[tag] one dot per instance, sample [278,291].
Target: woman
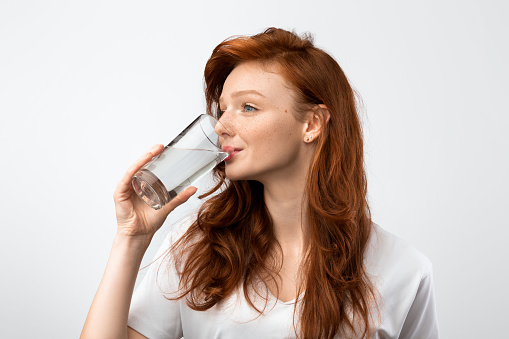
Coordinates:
[285,247]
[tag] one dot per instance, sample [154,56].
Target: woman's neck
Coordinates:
[285,202]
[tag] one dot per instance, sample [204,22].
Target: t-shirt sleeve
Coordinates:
[421,321]
[152,313]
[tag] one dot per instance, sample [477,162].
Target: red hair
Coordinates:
[232,241]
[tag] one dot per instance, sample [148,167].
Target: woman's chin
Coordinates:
[237,175]
[233,176]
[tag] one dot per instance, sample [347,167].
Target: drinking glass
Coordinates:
[187,158]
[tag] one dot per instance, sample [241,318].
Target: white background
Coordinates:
[87,87]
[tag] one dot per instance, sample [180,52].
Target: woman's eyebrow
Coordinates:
[249,91]
[241,93]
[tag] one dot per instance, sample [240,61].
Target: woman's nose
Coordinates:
[223,126]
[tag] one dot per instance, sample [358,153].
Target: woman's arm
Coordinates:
[108,314]
[132,334]
[137,223]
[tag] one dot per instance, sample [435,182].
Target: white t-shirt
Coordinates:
[402,276]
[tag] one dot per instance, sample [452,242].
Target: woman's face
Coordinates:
[258,124]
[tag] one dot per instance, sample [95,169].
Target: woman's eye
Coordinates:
[248,108]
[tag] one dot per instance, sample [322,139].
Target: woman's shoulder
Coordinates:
[388,255]
[403,279]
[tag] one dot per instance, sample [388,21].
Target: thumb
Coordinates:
[179,199]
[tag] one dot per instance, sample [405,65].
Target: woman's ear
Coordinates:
[317,119]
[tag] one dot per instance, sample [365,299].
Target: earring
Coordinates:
[307,138]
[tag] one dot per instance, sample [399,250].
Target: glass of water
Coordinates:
[187,158]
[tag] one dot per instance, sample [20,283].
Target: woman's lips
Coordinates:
[232,150]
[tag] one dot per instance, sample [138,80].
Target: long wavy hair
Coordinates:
[232,243]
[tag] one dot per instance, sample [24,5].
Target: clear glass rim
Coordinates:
[202,117]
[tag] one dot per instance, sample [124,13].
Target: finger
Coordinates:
[125,183]
[180,199]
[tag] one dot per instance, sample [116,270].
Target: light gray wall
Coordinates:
[87,87]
